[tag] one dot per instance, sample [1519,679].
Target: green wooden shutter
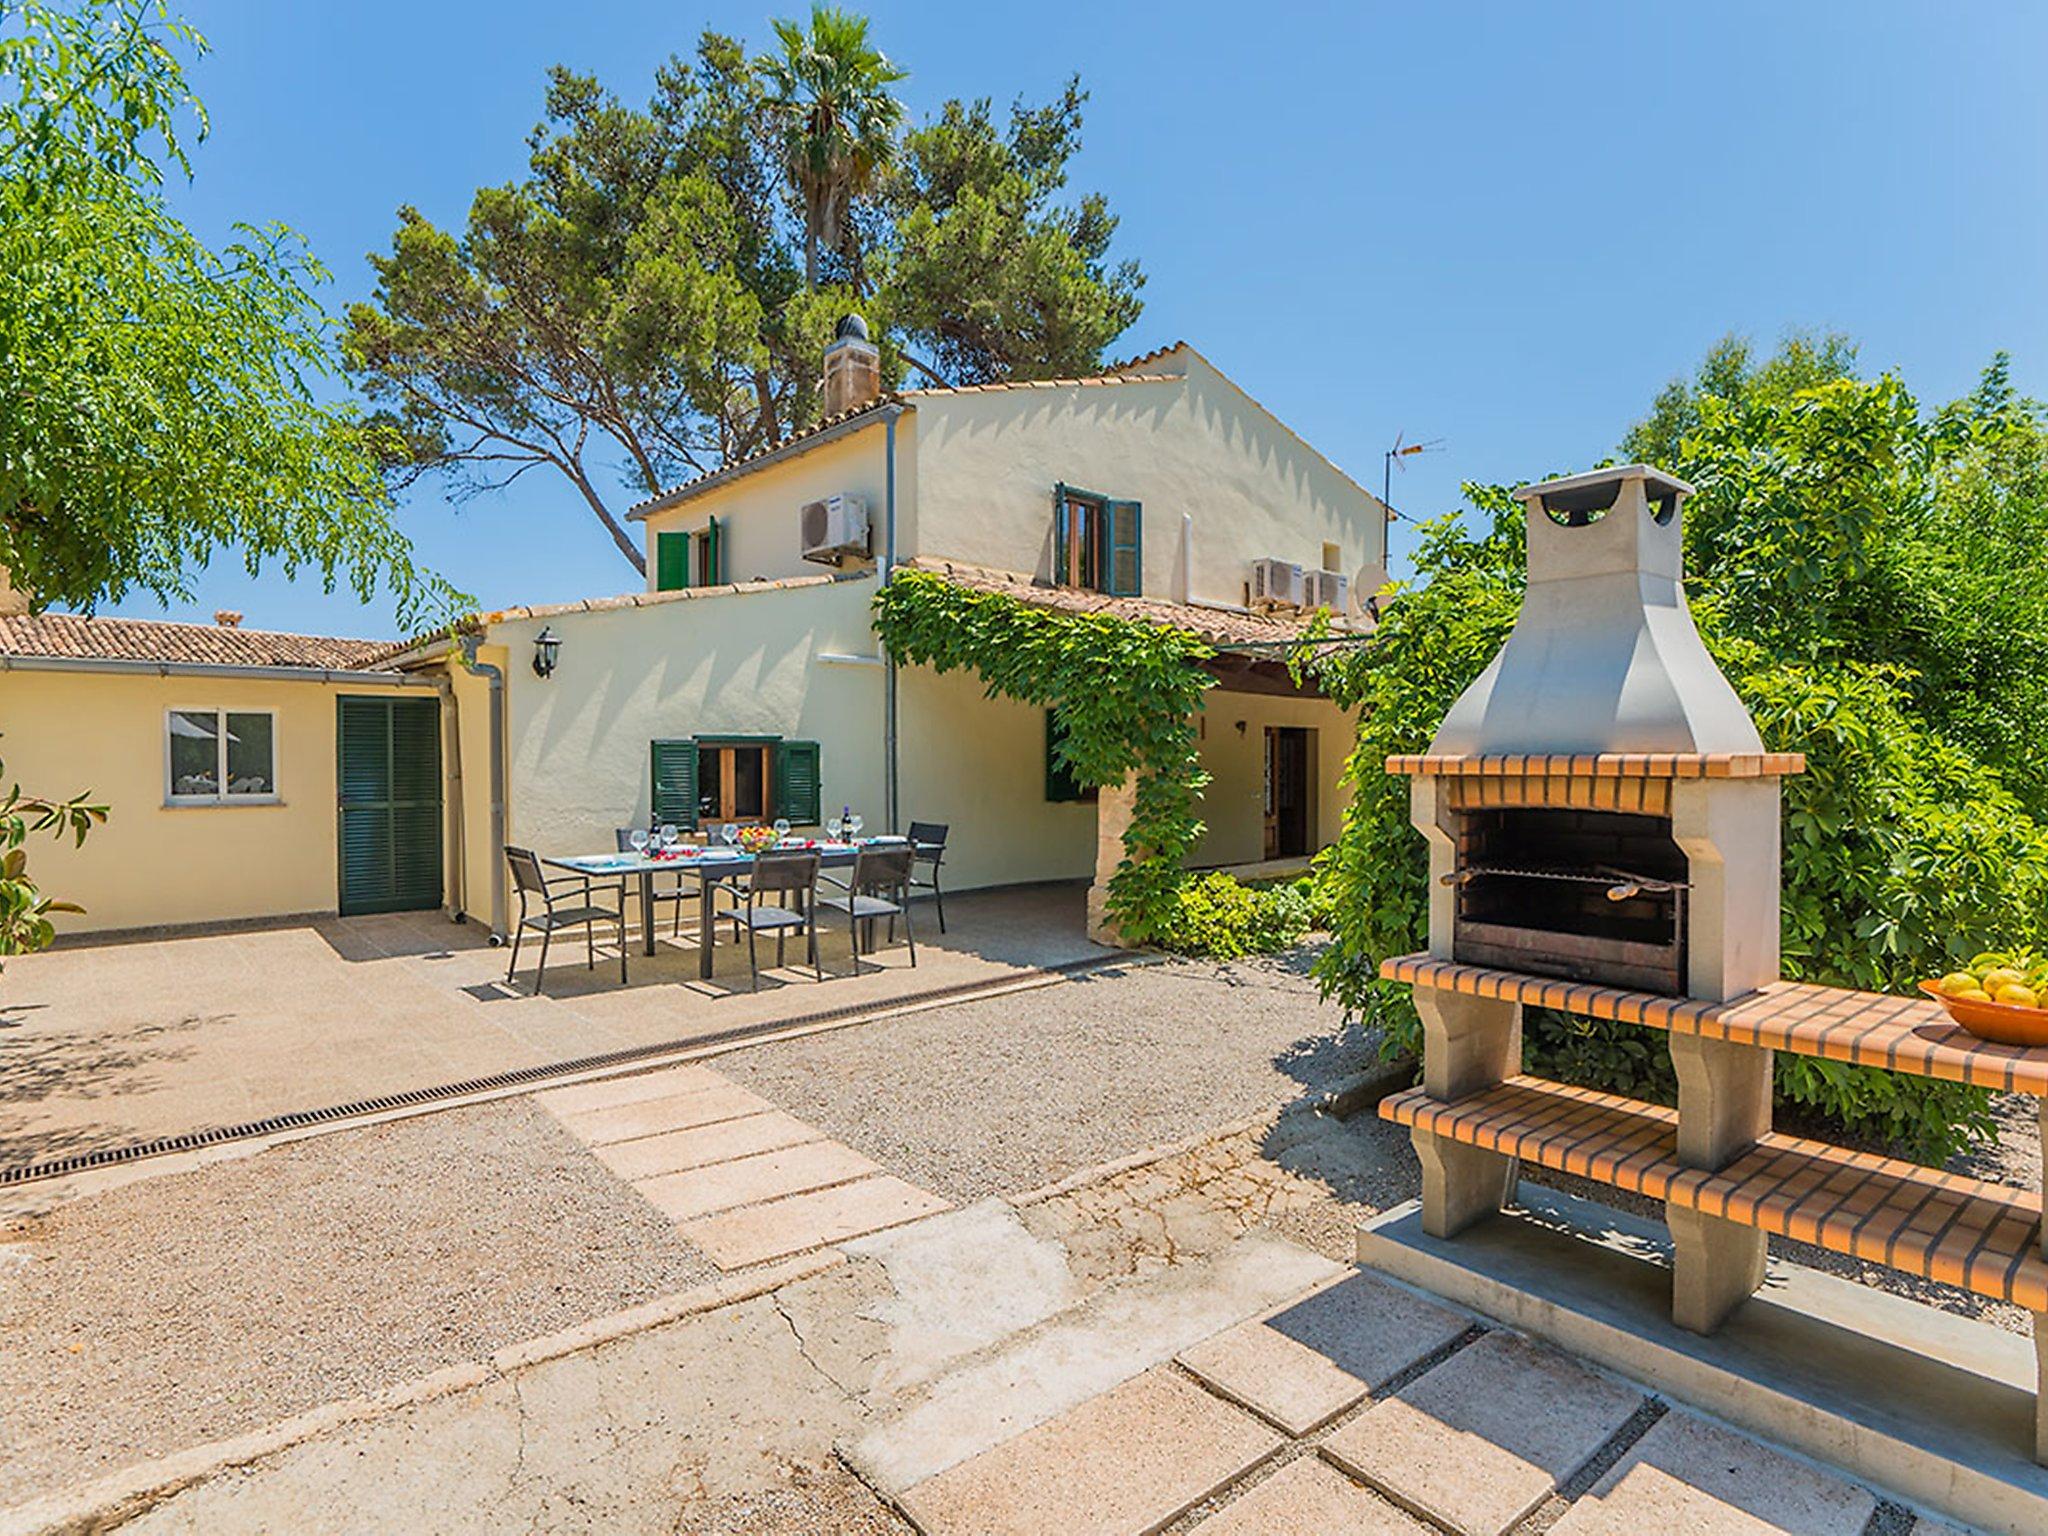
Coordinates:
[797,782]
[675,782]
[388,766]
[671,562]
[1060,535]
[1124,570]
[714,553]
[1060,783]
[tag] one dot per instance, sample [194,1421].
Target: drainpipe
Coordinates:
[458,841]
[889,791]
[496,679]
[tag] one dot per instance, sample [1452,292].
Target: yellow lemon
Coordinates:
[1999,977]
[1957,982]
[1974,995]
[2017,996]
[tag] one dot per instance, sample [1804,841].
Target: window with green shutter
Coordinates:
[1097,543]
[1060,783]
[711,554]
[675,782]
[1125,566]
[671,562]
[798,782]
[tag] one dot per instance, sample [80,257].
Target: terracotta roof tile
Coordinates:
[1216,625]
[83,637]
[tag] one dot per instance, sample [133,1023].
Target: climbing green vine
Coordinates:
[1125,693]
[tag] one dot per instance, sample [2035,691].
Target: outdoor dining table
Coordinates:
[710,867]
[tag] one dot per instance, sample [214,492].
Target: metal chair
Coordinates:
[781,873]
[675,895]
[877,870]
[533,884]
[928,839]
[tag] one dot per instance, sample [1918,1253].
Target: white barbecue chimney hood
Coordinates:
[1604,656]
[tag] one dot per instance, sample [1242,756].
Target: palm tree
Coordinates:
[829,87]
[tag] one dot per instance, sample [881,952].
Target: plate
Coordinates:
[2001,1022]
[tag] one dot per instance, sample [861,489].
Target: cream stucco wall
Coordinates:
[1234,803]
[758,511]
[987,463]
[155,864]
[726,662]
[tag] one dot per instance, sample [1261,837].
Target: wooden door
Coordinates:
[388,768]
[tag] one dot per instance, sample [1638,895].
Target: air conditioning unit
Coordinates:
[832,528]
[1276,583]
[1331,590]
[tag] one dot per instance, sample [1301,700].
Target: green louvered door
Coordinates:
[388,764]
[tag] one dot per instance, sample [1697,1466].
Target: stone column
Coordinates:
[1114,807]
[1729,831]
[1469,1044]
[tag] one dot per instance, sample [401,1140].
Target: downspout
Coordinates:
[458,842]
[889,787]
[496,679]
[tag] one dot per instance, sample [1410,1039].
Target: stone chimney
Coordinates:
[853,368]
[227,618]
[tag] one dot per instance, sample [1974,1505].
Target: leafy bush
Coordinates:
[1217,915]
[1825,574]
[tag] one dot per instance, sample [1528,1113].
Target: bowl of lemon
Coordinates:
[2000,995]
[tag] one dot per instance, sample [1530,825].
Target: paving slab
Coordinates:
[676,1112]
[751,1180]
[1121,1331]
[1304,1363]
[610,1092]
[1310,1498]
[734,1239]
[1477,1442]
[700,1146]
[1692,1478]
[1131,1460]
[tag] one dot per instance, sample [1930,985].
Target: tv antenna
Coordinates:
[1402,449]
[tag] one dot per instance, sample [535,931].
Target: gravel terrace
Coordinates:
[1005,1095]
[195,1306]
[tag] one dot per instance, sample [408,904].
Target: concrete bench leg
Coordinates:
[1724,1105]
[1469,1044]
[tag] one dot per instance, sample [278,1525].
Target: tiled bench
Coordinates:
[1717,1176]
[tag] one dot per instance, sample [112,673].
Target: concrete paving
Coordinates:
[1688,1475]
[1133,1459]
[1478,1442]
[1304,1363]
[116,1041]
[755,1234]
[1308,1497]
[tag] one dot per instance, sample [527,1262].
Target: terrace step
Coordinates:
[1871,1029]
[1940,1226]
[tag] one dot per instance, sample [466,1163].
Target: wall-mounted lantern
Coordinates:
[546,648]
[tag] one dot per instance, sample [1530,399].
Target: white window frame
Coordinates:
[220,712]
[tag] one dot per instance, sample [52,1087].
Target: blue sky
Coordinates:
[1502,225]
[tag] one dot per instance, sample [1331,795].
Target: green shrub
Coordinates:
[1217,915]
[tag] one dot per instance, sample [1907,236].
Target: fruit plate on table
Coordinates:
[2005,1023]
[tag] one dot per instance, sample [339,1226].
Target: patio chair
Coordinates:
[928,838]
[791,877]
[880,887]
[675,895]
[533,885]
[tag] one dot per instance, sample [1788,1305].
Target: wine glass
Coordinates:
[670,836]
[638,838]
[853,826]
[781,828]
[832,827]
[729,834]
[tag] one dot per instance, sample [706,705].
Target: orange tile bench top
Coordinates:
[1871,1029]
[1610,765]
[1940,1226]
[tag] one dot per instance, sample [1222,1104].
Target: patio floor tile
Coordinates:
[1304,1363]
[1479,1441]
[735,1239]
[1310,1498]
[750,1180]
[611,1092]
[650,1117]
[1688,1475]
[676,1151]
[1130,1460]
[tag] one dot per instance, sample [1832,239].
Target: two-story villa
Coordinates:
[746,682]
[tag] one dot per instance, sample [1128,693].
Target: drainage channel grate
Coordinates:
[129,1152]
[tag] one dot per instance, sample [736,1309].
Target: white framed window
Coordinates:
[220,756]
